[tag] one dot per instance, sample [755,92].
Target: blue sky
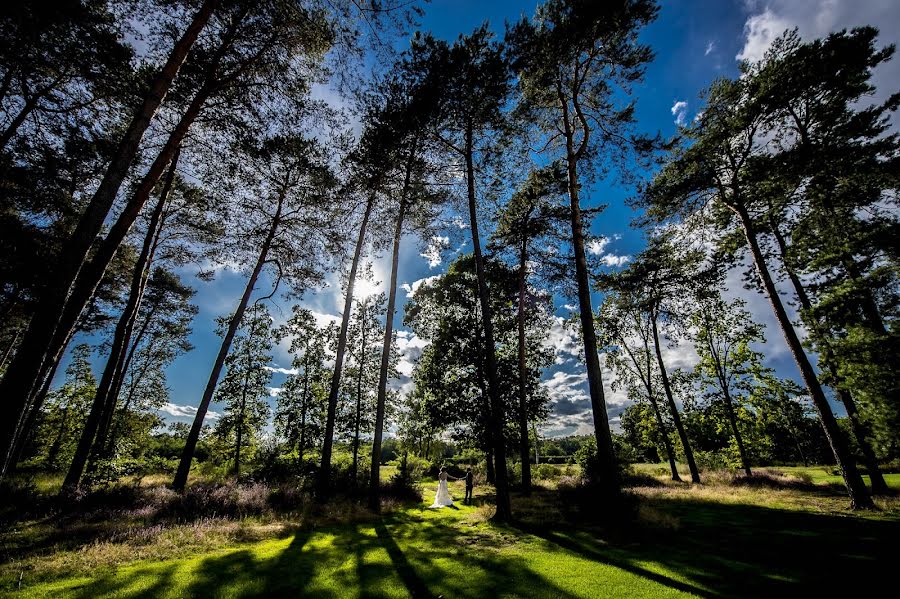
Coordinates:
[695,41]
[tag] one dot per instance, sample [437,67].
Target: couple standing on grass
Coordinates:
[442,498]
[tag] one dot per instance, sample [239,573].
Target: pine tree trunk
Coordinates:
[10,348]
[648,385]
[495,421]
[21,378]
[187,455]
[879,486]
[856,488]
[673,408]
[362,367]
[524,450]
[324,483]
[606,455]
[303,401]
[96,427]
[34,410]
[732,419]
[375,470]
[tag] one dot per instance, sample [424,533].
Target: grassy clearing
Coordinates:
[727,538]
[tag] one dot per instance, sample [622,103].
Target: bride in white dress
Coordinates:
[442,497]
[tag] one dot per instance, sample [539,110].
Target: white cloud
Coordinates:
[759,33]
[432,253]
[563,339]
[817,18]
[570,307]
[596,247]
[179,411]
[411,289]
[679,111]
[410,347]
[709,48]
[323,320]
[613,260]
[288,371]
[274,391]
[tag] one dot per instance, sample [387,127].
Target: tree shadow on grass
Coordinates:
[738,550]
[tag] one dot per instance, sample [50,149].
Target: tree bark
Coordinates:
[732,419]
[856,488]
[362,366]
[648,385]
[302,443]
[495,421]
[879,486]
[524,450]
[375,470]
[673,409]
[324,483]
[21,378]
[187,455]
[606,455]
[96,427]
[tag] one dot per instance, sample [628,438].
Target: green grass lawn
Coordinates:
[707,542]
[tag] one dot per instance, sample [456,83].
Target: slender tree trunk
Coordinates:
[609,473]
[856,488]
[239,433]
[504,512]
[96,427]
[667,442]
[10,348]
[362,367]
[21,378]
[524,450]
[303,402]
[648,385]
[33,410]
[187,456]
[673,409]
[879,486]
[324,482]
[537,455]
[57,442]
[375,470]
[732,419]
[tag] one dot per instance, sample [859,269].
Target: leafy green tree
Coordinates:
[244,388]
[280,229]
[712,174]
[302,403]
[576,61]
[363,370]
[450,379]
[409,109]
[23,377]
[63,415]
[723,333]
[475,85]
[655,282]
[627,338]
[529,228]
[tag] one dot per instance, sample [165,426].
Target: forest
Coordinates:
[186,186]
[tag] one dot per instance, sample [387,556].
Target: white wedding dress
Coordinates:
[442,497]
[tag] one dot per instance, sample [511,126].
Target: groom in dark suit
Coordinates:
[469,485]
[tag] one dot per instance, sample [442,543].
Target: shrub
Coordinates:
[547,471]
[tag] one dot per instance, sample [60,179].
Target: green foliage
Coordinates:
[450,376]
[243,389]
[65,411]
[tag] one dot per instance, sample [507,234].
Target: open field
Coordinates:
[727,538]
